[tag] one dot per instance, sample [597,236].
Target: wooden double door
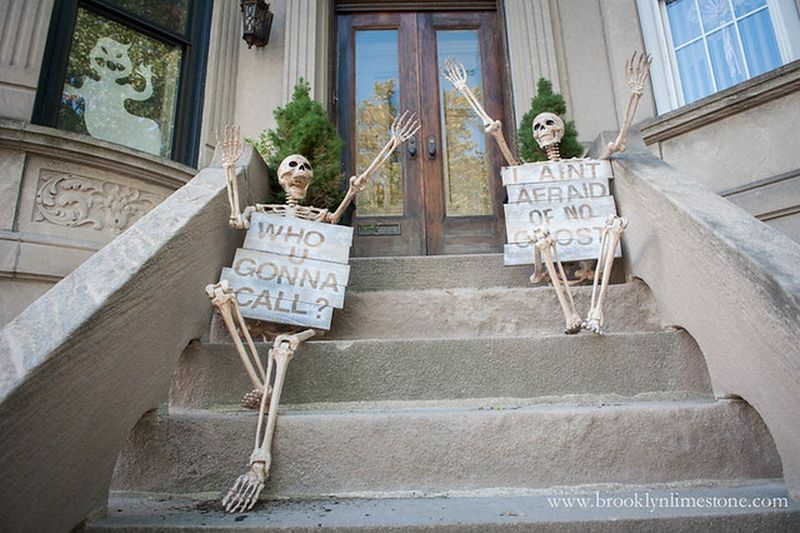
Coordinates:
[441,192]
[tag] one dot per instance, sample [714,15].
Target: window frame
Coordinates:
[191,81]
[667,88]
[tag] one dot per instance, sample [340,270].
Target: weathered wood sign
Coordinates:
[571,198]
[291,271]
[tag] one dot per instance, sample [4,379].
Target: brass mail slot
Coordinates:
[378,229]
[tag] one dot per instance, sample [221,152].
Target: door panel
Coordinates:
[464,214]
[446,197]
[374,84]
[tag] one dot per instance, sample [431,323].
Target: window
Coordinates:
[704,46]
[128,72]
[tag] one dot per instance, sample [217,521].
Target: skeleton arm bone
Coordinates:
[456,74]
[636,72]
[403,128]
[232,147]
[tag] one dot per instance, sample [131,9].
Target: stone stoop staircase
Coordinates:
[443,402]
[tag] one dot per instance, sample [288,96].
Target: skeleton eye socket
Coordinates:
[292,164]
[537,127]
[550,122]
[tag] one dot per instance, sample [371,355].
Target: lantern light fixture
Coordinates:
[256,22]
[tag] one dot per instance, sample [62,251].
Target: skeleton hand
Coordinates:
[404,127]
[231,144]
[636,71]
[455,73]
[245,491]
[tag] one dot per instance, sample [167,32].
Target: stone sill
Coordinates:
[32,138]
[746,95]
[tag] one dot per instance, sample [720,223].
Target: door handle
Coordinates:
[412,147]
[432,147]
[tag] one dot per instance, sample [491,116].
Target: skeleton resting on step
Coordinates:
[548,130]
[294,175]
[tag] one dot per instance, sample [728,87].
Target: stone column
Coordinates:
[223,62]
[531,48]
[23,34]
[306,47]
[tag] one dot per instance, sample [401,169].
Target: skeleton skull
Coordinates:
[294,175]
[548,128]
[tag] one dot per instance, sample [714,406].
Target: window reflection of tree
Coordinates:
[374,115]
[466,169]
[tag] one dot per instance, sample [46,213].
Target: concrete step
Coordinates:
[433,369]
[428,450]
[477,271]
[452,313]
[759,507]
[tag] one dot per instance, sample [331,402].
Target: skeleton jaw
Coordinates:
[296,186]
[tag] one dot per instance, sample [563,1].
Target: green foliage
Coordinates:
[303,128]
[546,100]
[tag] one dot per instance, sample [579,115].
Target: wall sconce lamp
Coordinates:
[256,22]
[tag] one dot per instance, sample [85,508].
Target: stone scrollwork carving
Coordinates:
[73,201]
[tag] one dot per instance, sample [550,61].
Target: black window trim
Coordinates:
[191,84]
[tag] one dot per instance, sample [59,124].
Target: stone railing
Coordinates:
[729,280]
[81,364]
[63,196]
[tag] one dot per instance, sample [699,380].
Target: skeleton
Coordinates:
[294,175]
[548,131]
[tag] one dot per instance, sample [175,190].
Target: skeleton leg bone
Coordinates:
[612,233]
[245,491]
[224,301]
[546,245]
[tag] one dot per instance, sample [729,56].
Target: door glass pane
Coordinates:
[466,164]
[377,104]
[715,13]
[121,85]
[760,46]
[171,14]
[726,57]
[693,67]
[683,21]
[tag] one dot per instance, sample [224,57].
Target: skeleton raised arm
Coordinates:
[403,128]
[636,71]
[455,73]
[231,149]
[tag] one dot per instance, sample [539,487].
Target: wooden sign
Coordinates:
[308,278]
[557,191]
[570,198]
[291,271]
[299,238]
[264,301]
[568,169]
[522,219]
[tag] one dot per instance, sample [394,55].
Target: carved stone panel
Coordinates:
[71,200]
[82,203]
